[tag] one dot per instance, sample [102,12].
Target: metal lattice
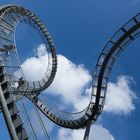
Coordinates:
[10,16]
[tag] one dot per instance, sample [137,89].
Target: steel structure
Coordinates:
[117,43]
[14,86]
[10,16]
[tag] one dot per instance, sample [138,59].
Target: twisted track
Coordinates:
[10,16]
[117,43]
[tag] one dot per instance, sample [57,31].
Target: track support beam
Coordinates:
[7,117]
[86,136]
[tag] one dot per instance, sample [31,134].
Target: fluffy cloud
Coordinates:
[120,97]
[71,84]
[34,68]
[72,81]
[99,133]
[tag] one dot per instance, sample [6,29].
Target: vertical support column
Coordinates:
[86,136]
[7,116]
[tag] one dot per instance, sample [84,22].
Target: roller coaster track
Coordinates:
[12,108]
[10,15]
[117,43]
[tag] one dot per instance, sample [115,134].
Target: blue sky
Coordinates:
[80,29]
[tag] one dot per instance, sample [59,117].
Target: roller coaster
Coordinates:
[10,16]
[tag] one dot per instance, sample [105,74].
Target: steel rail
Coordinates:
[26,16]
[20,14]
[7,116]
[117,43]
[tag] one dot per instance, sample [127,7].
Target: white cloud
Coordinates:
[71,85]
[99,133]
[34,68]
[41,51]
[120,97]
[70,82]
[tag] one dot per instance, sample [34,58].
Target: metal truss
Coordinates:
[10,16]
[117,43]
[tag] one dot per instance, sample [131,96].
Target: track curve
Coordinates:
[117,43]
[10,16]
